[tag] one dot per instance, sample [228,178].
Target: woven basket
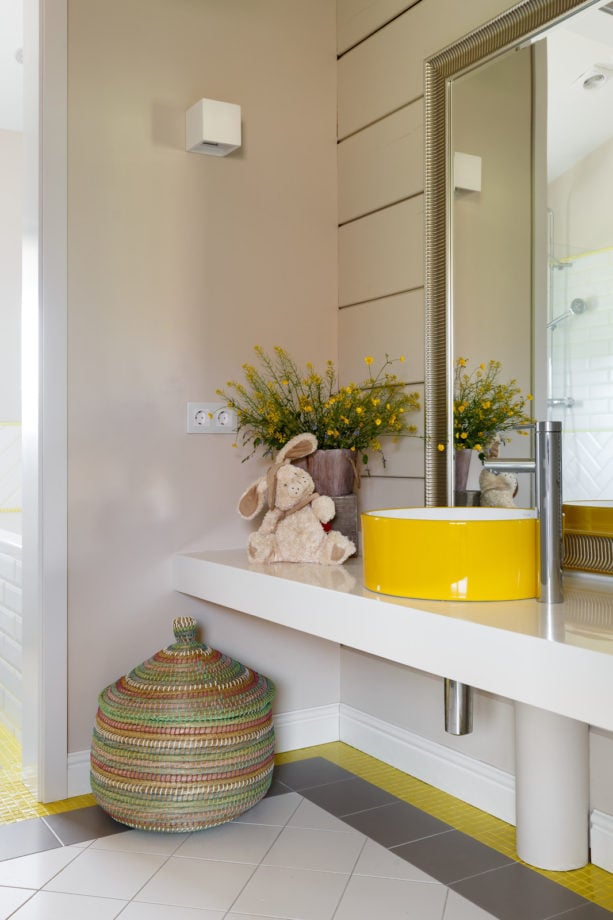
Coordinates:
[185,741]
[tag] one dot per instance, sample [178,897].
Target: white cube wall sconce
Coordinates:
[466,172]
[213,127]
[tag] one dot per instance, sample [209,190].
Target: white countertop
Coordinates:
[557,657]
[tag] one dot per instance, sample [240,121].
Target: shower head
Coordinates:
[577,306]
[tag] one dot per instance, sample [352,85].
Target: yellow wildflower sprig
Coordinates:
[484,408]
[278,400]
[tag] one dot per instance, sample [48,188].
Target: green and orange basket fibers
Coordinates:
[185,741]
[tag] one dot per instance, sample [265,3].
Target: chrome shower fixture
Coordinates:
[577,306]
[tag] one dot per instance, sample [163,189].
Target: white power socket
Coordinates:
[211,418]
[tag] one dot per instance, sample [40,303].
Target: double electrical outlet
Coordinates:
[211,418]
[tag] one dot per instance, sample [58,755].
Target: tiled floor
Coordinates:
[325,844]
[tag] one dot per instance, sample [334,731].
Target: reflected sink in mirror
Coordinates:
[588,536]
[451,554]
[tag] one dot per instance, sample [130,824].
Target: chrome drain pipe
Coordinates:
[458,708]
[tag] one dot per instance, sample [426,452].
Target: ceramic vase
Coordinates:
[334,473]
[462,495]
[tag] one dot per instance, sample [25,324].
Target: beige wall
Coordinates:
[178,265]
[10,274]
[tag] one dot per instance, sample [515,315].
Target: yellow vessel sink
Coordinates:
[451,554]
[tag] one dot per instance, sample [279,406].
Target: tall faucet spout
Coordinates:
[549,503]
[547,467]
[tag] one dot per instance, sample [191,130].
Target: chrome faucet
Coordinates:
[547,467]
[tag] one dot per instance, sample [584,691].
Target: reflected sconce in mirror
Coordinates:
[213,127]
[466,172]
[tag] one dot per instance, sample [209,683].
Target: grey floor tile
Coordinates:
[348,796]
[586,912]
[278,788]
[396,823]
[312,772]
[451,857]
[25,837]
[83,824]
[517,893]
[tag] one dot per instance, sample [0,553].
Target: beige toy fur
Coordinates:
[497,490]
[291,530]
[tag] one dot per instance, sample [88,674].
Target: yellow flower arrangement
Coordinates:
[278,401]
[484,408]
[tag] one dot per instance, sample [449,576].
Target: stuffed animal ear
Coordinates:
[252,501]
[300,446]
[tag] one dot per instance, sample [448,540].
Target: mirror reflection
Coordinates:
[531,240]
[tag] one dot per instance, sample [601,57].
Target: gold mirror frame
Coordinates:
[507,30]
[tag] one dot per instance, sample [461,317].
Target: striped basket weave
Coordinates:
[185,741]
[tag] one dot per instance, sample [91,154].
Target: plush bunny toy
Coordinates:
[292,530]
[497,490]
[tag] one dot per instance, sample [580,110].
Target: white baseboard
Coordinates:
[306,727]
[78,774]
[486,787]
[601,840]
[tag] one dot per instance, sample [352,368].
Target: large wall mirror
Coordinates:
[519,233]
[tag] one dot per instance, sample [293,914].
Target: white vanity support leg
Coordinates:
[551,789]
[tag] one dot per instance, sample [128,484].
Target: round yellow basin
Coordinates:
[451,554]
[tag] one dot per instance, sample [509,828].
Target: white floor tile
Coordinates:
[254,917]
[35,870]
[378,861]
[308,848]
[310,815]
[198,883]
[103,873]
[274,892]
[235,842]
[278,809]
[458,908]
[394,899]
[136,911]
[141,842]
[10,899]
[51,905]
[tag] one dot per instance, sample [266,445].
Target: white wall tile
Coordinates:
[13,598]
[7,567]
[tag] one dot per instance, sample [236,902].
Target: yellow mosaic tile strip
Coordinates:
[591,883]
[16,801]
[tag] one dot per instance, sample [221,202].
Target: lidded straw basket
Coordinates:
[184,741]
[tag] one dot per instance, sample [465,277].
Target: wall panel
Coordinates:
[382,164]
[358,18]
[382,253]
[391,326]
[389,492]
[385,72]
